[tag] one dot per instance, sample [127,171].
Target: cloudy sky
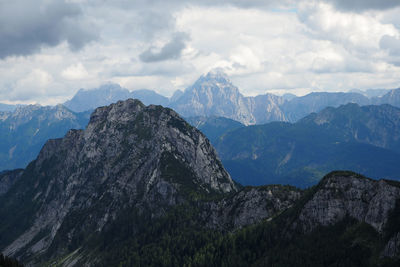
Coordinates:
[51,49]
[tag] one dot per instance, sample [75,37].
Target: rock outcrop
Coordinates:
[250,206]
[340,195]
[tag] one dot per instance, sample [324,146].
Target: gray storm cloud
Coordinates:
[171,50]
[362,5]
[27,26]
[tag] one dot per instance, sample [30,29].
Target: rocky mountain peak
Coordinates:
[214,84]
[216,75]
[130,157]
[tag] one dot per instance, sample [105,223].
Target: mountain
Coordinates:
[288,96]
[131,164]
[214,127]
[24,131]
[266,108]
[85,100]
[370,93]
[375,125]
[106,94]
[299,107]
[149,97]
[215,95]
[6,107]
[392,98]
[363,139]
[177,94]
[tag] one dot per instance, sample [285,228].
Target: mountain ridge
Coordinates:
[25,130]
[364,139]
[213,94]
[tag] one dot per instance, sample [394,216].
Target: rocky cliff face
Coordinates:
[266,108]
[339,195]
[346,220]
[129,156]
[215,95]
[250,206]
[342,195]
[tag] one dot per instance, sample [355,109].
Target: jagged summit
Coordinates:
[217,75]
[216,81]
[213,94]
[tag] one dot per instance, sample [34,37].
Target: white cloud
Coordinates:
[297,46]
[31,86]
[75,72]
[359,33]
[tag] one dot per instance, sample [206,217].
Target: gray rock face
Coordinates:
[129,155]
[7,179]
[392,248]
[266,108]
[215,95]
[249,206]
[338,196]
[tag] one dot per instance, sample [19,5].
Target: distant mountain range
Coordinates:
[300,107]
[363,139]
[212,104]
[214,95]
[5,107]
[85,100]
[24,131]
[370,93]
[141,187]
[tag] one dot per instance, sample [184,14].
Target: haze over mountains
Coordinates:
[24,131]
[363,139]
[208,104]
[214,94]
[106,94]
